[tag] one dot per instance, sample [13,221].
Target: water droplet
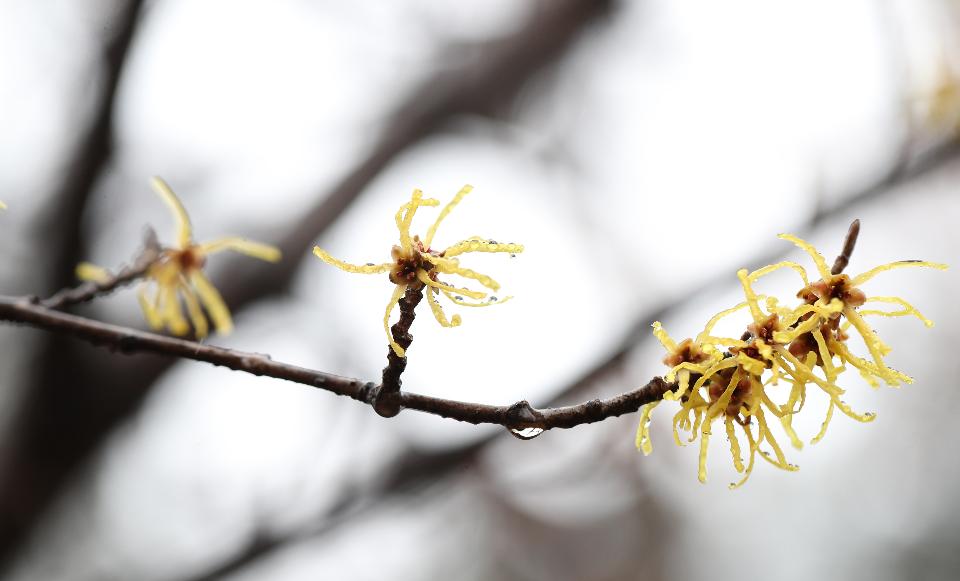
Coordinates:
[526,433]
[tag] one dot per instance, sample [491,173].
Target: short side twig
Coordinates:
[848,243]
[90,290]
[386,401]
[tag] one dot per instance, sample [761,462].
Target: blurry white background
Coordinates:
[641,150]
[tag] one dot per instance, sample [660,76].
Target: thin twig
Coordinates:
[517,416]
[386,402]
[90,290]
[848,243]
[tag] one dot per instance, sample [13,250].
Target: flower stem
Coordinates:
[386,399]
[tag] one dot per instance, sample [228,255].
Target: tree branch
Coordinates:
[90,290]
[519,416]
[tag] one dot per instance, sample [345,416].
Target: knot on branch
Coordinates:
[524,421]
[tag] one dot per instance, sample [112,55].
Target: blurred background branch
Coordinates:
[49,436]
[62,425]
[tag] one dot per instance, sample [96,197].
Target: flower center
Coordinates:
[408,263]
[189,258]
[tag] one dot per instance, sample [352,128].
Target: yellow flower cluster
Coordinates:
[178,274]
[735,379]
[415,263]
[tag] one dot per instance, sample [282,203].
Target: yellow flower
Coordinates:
[823,337]
[725,385]
[178,275]
[943,102]
[415,263]
[844,290]
[781,343]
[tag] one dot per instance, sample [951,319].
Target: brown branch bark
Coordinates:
[843,259]
[516,417]
[387,401]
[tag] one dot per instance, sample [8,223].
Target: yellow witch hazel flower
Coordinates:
[799,346]
[415,263]
[942,108]
[715,385]
[178,275]
[843,291]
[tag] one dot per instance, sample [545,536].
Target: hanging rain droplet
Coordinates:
[526,433]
